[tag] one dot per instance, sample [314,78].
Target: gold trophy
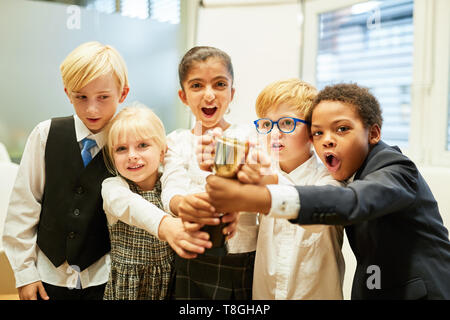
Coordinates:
[230,155]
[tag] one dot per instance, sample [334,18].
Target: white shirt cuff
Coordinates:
[285,201]
[26,276]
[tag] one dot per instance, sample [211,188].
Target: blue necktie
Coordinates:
[85,153]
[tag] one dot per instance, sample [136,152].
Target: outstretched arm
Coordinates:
[120,203]
[228,195]
[389,187]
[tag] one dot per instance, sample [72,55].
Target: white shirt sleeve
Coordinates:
[175,179]
[20,231]
[285,201]
[120,203]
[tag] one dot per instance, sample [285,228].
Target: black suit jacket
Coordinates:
[392,222]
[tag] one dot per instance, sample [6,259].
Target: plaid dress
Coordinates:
[142,266]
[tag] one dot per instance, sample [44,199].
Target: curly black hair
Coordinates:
[359,97]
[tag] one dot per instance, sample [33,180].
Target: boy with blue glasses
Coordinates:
[294,261]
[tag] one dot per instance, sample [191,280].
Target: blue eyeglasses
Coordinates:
[285,124]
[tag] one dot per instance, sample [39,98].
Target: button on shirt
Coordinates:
[293,261]
[28,262]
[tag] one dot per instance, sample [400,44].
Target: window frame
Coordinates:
[430,83]
[439,89]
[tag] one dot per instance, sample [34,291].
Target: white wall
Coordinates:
[264,45]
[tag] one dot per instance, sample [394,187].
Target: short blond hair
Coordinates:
[293,91]
[138,121]
[89,61]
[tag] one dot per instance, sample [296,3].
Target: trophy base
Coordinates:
[217,252]
[219,246]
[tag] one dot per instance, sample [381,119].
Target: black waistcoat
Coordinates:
[72,224]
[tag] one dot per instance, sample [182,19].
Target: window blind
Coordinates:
[160,10]
[135,8]
[104,6]
[165,10]
[371,44]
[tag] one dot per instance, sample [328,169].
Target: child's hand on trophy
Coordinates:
[205,149]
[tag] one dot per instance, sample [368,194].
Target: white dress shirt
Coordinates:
[182,176]
[293,261]
[28,262]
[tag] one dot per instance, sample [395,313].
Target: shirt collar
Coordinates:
[82,132]
[351,179]
[301,171]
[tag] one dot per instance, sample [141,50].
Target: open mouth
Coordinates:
[93,120]
[277,146]
[135,167]
[332,162]
[209,112]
